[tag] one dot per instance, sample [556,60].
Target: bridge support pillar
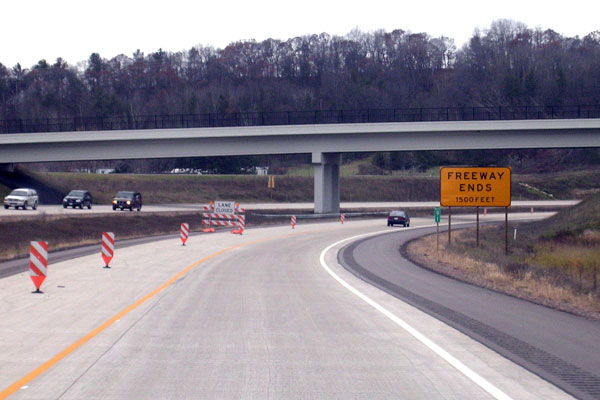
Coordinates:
[327,182]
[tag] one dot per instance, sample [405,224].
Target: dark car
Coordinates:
[78,198]
[398,217]
[129,200]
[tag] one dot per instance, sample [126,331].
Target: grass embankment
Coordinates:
[164,189]
[161,189]
[575,184]
[555,262]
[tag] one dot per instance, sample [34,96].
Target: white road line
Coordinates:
[469,373]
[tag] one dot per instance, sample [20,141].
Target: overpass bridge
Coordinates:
[325,142]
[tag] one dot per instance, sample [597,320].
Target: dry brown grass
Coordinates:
[528,285]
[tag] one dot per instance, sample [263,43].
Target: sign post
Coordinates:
[437,212]
[477,226]
[506,230]
[449,225]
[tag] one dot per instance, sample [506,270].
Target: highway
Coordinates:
[47,209]
[270,314]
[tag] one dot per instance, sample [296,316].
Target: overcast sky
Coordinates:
[73,29]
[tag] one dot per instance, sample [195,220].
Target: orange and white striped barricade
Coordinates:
[209,208]
[108,247]
[38,263]
[293,220]
[184,232]
[484,212]
[215,219]
[241,225]
[342,218]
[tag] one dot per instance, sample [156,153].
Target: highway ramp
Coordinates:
[556,345]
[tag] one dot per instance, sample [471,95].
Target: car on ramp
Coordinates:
[399,218]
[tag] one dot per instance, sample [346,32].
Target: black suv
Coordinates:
[129,200]
[398,217]
[78,198]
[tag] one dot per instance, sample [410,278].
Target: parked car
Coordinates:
[398,217]
[22,197]
[129,200]
[78,198]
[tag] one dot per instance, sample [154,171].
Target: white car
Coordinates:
[21,198]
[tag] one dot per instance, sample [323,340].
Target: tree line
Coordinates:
[507,64]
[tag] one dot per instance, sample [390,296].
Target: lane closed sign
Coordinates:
[224,207]
[475,187]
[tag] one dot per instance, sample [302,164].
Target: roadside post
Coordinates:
[437,215]
[38,263]
[477,209]
[108,247]
[342,218]
[293,220]
[184,233]
[449,225]
[271,185]
[506,230]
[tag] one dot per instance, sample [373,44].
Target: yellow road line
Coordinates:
[10,390]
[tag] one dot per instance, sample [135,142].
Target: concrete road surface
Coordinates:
[270,314]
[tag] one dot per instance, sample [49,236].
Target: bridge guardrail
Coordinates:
[269,118]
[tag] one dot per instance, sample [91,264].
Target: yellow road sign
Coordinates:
[475,187]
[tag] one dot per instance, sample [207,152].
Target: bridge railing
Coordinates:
[175,121]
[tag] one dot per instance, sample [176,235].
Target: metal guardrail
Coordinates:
[269,118]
